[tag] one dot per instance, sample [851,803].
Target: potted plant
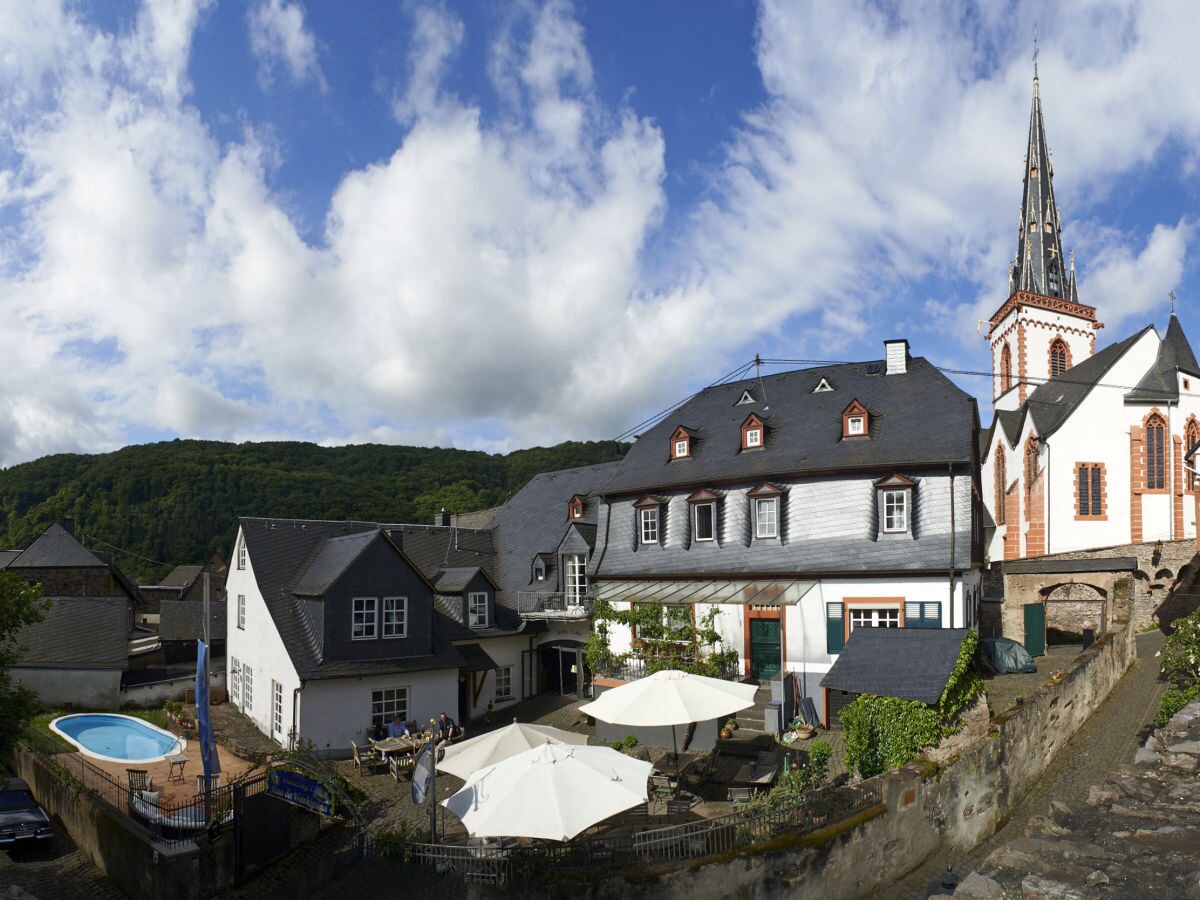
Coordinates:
[731,725]
[804,731]
[726,734]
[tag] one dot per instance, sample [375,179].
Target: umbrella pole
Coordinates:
[675,747]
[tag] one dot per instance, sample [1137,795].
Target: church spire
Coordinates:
[1038,265]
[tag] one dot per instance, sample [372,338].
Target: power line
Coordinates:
[115,548]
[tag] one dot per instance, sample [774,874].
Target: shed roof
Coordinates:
[909,663]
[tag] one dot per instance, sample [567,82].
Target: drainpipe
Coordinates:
[295,704]
[1046,505]
[1171,469]
[950,608]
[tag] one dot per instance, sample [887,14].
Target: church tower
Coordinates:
[1042,329]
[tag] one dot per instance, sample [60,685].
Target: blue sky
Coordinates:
[499,224]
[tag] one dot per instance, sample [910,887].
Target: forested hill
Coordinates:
[178,501]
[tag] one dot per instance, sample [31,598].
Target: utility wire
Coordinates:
[115,548]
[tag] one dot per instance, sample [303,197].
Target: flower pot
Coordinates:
[805,732]
[726,734]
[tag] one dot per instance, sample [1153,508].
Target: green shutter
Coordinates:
[835,635]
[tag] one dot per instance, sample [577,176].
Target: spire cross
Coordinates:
[1036,51]
[1171,294]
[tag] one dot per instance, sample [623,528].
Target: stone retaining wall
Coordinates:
[928,807]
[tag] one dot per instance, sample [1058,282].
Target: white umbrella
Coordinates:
[670,697]
[553,792]
[496,746]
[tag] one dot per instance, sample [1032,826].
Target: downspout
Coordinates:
[1046,506]
[295,722]
[1171,468]
[950,608]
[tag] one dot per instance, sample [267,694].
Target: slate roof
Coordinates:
[455,580]
[332,558]
[283,550]
[534,521]
[7,556]
[78,632]
[56,548]
[1052,403]
[909,663]
[449,619]
[434,548]
[183,620]
[1161,383]
[916,418]
[181,576]
[475,658]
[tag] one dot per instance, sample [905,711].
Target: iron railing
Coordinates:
[539,604]
[741,829]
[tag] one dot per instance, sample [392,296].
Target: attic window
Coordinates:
[822,386]
[681,443]
[746,398]
[575,508]
[539,570]
[855,420]
[752,433]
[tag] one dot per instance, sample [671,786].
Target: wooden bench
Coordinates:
[401,764]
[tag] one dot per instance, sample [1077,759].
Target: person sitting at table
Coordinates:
[396,728]
[379,732]
[445,727]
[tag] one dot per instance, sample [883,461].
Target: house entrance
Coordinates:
[562,667]
[765,645]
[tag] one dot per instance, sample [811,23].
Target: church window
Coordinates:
[1191,437]
[1032,227]
[1052,278]
[1049,228]
[1089,490]
[1060,357]
[1005,368]
[1033,172]
[1001,484]
[1031,466]
[1155,455]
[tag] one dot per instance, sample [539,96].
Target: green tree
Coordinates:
[1181,666]
[21,604]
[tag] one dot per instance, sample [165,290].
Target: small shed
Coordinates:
[909,663]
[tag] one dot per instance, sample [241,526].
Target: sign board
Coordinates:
[300,790]
[422,777]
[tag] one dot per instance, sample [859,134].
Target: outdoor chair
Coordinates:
[401,764]
[679,809]
[364,758]
[213,780]
[661,786]
[740,795]
[139,780]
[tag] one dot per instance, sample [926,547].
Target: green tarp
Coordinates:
[1008,657]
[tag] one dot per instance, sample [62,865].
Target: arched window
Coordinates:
[1001,484]
[1191,436]
[1005,368]
[1031,463]
[1060,359]
[1155,452]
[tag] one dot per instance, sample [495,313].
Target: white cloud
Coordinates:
[278,36]
[437,36]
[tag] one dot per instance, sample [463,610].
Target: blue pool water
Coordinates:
[116,737]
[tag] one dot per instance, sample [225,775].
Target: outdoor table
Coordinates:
[752,774]
[176,763]
[397,745]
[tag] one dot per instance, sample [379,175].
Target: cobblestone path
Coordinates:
[1106,741]
[57,870]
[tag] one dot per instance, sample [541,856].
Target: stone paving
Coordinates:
[1106,741]
[55,870]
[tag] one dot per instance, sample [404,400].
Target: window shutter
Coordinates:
[912,614]
[933,615]
[922,615]
[1084,503]
[835,635]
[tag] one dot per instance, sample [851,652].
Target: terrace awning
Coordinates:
[685,593]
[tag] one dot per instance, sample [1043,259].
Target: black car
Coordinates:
[20,815]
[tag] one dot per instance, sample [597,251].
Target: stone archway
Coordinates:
[1073,607]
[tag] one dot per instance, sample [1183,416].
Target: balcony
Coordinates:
[539,605]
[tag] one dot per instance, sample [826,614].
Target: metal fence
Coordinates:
[170,823]
[555,605]
[756,825]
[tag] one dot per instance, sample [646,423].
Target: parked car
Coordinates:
[20,815]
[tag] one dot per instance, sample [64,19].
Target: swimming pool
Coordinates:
[117,738]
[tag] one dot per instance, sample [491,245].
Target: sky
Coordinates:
[494,225]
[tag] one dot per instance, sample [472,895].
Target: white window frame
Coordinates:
[387,702]
[575,581]
[241,612]
[753,437]
[276,707]
[364,619]
[247,689]
[895,506]
[874,617]
[681,448]
[395,617]
[477,609]
[648,525]
[766,526]
[235,681]
[539,570]
[712,521]
[504,682]
[241,552]
[855,425]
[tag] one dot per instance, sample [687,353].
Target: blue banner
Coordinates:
[208,744]
[422,776]
[300,790]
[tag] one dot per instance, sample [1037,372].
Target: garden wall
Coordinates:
[927,808]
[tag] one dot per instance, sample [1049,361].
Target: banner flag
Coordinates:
[208,744]
[422,776]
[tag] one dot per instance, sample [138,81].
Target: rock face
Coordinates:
[1138,836]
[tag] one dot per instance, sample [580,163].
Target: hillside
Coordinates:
[178,501]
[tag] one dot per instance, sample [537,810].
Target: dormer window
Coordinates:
[765,503]
[894,495]
[681,443]
[649,526]
[539,570]
[704,515]
[855,420]
[752,433]
[575,508]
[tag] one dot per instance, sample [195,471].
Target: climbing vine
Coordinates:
[884,733]
[663,641]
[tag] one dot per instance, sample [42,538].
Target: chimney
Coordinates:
[897,357]
[442,518]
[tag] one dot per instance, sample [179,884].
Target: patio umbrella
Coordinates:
[670,697]
[552,792]
[495,746]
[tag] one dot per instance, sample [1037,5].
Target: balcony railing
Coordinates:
[541,605]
